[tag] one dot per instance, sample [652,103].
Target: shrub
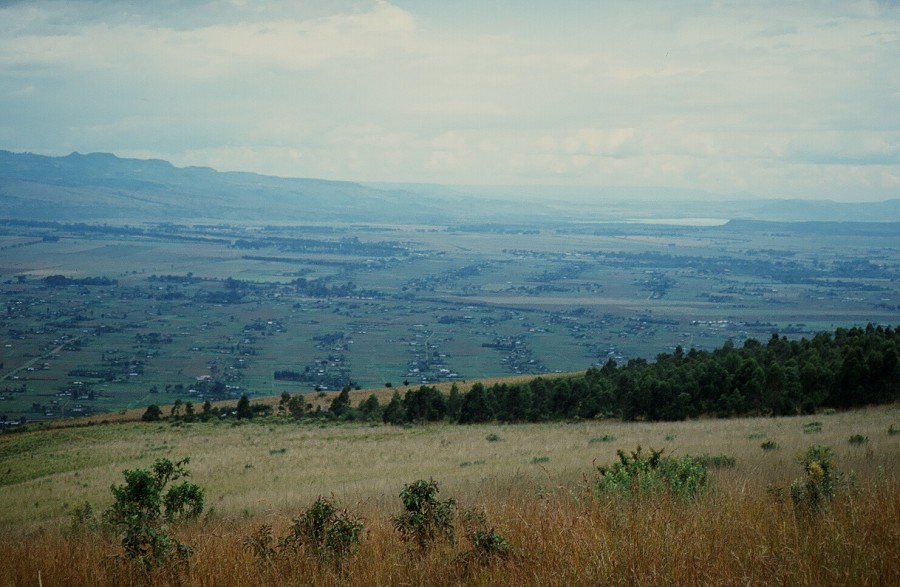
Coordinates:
[492,437]
[858,439]
[604,438]
[487,544]
[769,445]
[322,531]
[718,461]
[817,489]
[425,519]
[261,544]
[141,510]
[811,427]
[642,473]
[83,518]
[893,431]
[327,533]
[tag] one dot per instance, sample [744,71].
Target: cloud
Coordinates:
[791,100]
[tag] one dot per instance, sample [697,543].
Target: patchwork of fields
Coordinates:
[98,319]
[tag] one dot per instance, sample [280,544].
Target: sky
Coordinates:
[770,98]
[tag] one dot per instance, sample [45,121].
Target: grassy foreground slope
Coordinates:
[533,482]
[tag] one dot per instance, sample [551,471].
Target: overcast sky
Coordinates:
[778,99]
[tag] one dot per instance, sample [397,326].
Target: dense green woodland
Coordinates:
[852,367]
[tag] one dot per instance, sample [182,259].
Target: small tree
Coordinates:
[340,405]
[283,403]
[141,511]
[243,408]
[153,414]
[394,412]
[370,406]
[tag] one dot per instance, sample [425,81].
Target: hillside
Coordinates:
[100,187]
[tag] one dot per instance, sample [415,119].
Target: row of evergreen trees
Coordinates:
[851,367]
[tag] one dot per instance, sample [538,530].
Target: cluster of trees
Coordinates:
[185,411]
[62,281]
[851,367]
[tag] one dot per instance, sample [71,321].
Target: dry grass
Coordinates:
[560,533]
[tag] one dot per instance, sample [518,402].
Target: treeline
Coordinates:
[851,367]
[62,281]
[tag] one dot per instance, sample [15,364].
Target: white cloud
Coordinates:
[788,100]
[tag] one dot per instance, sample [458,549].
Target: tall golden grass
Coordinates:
[534,483]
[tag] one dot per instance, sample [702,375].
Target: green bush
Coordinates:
[769,445]
[604,438]
[425,519]
[487,544]
[329,534]
[811,427]
[642,473]
[858,439]
[818,488]
[142,510]
[323,532]
[83,518]
[261,544]
[718,461]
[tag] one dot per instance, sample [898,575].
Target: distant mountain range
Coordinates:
[101,187]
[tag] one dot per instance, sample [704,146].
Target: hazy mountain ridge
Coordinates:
[103,187]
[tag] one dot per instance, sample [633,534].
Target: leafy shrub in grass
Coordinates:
[604,438]
[818,488]
[646,473]
[811,427]
[327,533]
[769,445]
[83,519]
[142,512]
[487,544]
[323,532]
[718,461]
[425,518]
[858,439]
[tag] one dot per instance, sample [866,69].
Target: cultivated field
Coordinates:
[97,319]
[534,483]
